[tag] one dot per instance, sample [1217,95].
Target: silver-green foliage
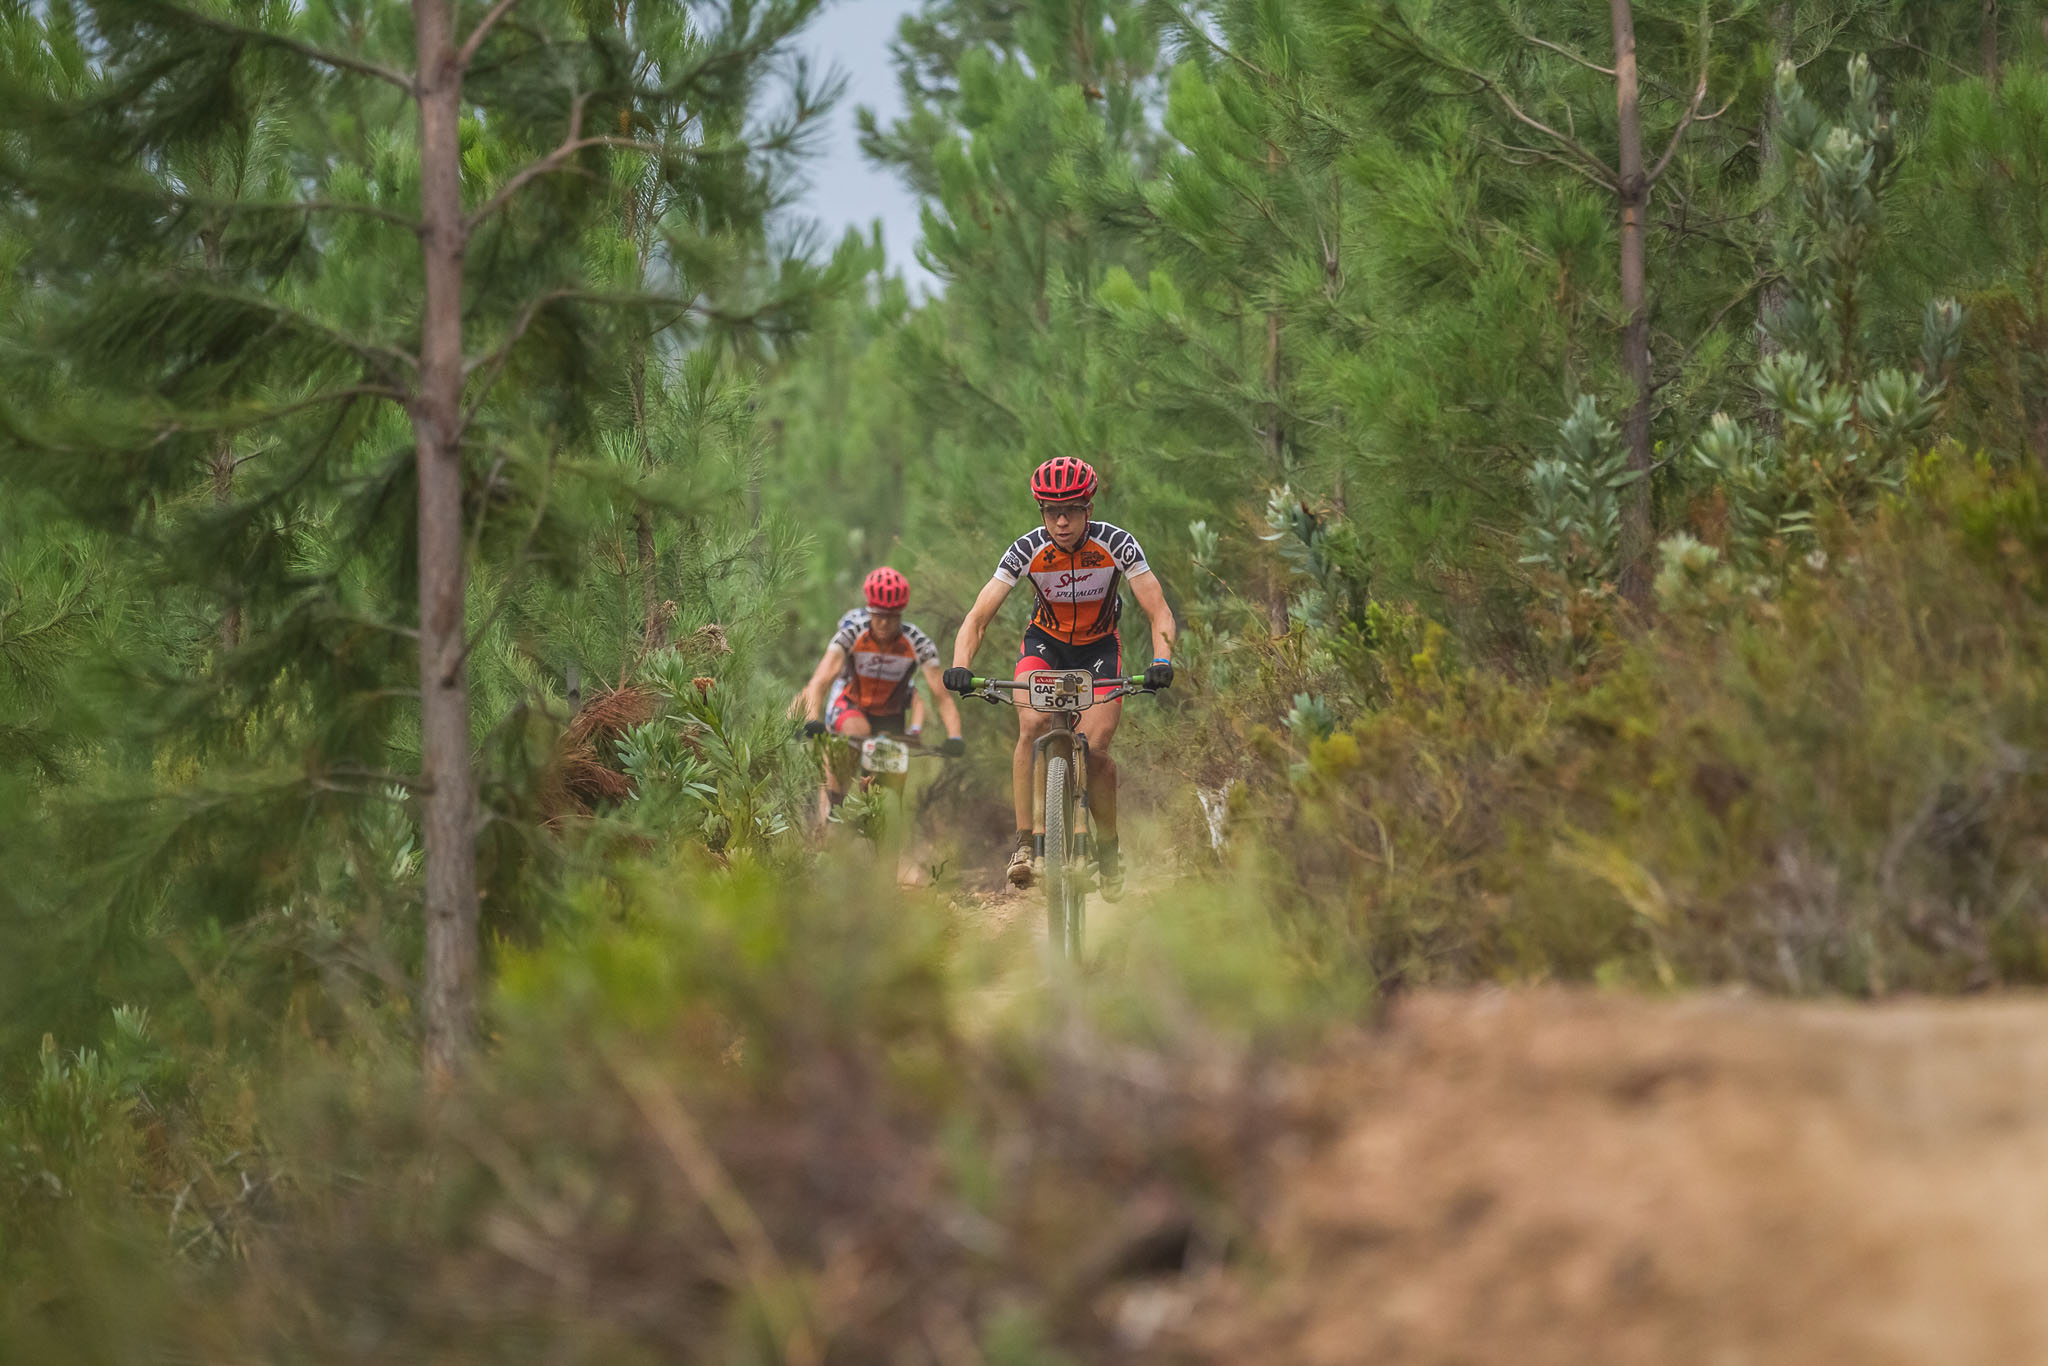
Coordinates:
[1574,526]
[1839,431]
[708,767]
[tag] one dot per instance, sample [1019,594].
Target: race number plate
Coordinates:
[1061,689]
[880,754]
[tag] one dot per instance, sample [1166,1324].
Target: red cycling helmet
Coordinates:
[887,590]
[1063,479]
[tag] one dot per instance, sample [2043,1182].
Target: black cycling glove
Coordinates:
[957,679]
[954,747]
[813,728]
[1158,674]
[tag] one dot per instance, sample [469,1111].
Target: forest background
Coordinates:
[1595,458]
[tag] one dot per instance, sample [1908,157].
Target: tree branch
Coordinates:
[481,31]
[1678,134]
[533,169]
[1509,150]
[1560,50]
[495,361]
[1421,48]
[1965,72]
[553,162]
[1188,23]
[1564,140]
[352,391]
[298,206]
[368,351]
[483,512]
[337,61]
[520,559]
[572,143]
[1699,95]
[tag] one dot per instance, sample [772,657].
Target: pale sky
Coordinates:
[846,189]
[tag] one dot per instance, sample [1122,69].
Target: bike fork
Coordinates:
[1081,829]
[1084,826]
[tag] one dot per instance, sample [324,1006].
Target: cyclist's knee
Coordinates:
[855,725]
[1099,742]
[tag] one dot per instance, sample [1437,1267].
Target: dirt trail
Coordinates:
[1538,1177]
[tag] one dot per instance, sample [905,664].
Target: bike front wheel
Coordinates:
[1065,891]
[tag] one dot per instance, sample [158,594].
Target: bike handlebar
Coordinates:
[917,751]
[988,688]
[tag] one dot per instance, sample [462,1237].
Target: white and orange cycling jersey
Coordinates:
[877,678]
[1076,589]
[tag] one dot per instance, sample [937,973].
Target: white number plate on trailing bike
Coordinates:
[1061,689]
[880,754]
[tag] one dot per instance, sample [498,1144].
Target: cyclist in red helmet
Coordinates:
[1076,568]
[864,684]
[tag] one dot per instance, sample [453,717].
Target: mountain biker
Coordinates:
[1075,567]
[868,669]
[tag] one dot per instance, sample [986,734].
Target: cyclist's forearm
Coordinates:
[975,625]
[821,680]
[814,695]
[949,712]
[1146,590]
[1163,635]
[968,641]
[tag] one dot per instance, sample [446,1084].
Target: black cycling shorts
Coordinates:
[1103,657]
[879,723]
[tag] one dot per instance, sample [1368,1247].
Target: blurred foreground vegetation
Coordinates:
[1469,692]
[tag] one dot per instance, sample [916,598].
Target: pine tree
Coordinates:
[422,282]
[1006,369]
[1971,210]
[1845,423]
[1231,345]
[1549,101]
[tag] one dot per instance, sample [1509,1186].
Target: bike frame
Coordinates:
[1076,821]
[863,777]
[863,772]
[1068,734]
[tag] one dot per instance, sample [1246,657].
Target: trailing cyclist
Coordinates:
[866,681]
[1076,568]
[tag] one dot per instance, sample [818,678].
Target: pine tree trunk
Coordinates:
[1771,301]
[644,562]
[223,466]
[1276,436]
[645,566]
[448,784]
[1633,192]
[223,494]
[1987,43]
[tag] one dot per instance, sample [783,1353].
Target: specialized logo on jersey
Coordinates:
[873,664]
[1076,589]
[1076,584]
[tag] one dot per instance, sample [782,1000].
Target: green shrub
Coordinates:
[1837,788]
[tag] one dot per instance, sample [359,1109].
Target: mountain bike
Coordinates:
[884,762]
[1061,765]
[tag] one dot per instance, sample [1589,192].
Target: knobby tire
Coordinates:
[1064,893]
